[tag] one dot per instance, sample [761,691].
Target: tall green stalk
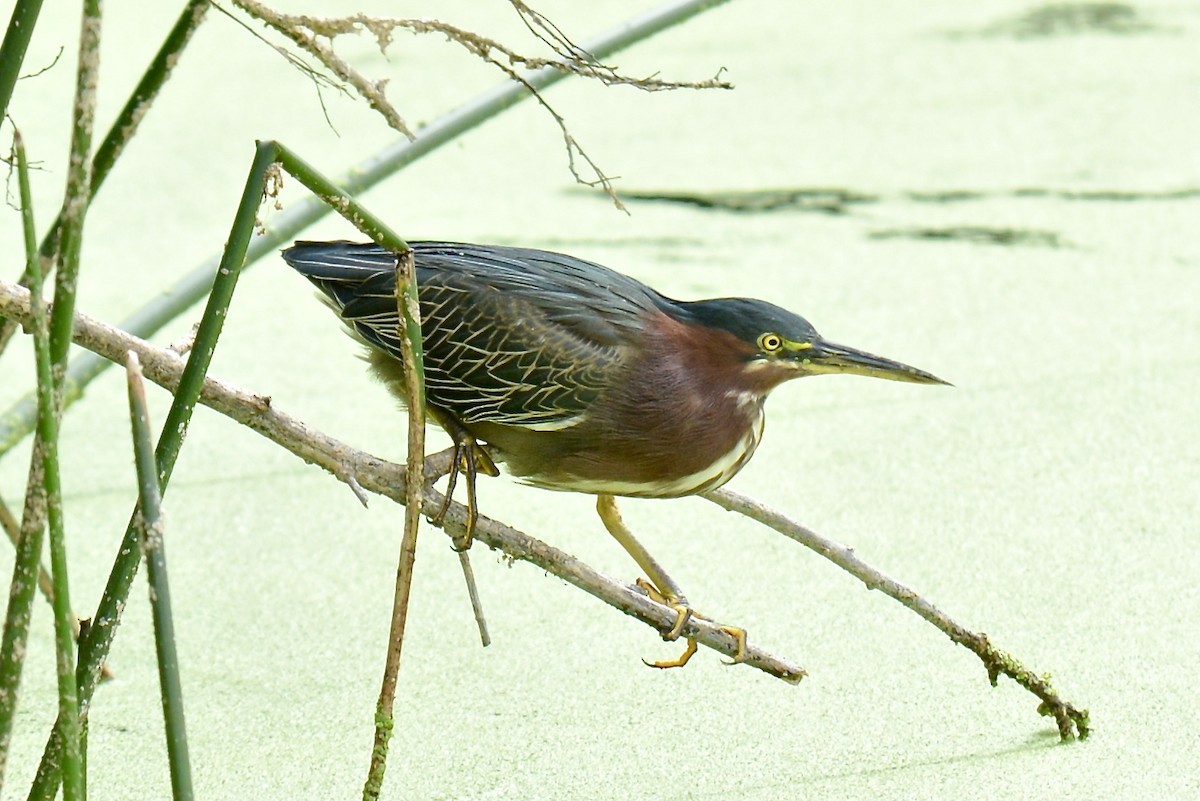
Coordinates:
[16,43]
[123,129]
[93,648]
[27,563]
[150,533]
[68,703]
[46,469]
[78,192]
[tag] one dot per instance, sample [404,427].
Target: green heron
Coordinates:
[581,378]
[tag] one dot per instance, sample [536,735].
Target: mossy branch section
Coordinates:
[412,354]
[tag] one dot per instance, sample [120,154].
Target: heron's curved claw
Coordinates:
[679,661]
[739,637]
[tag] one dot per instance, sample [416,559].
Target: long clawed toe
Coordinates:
[470,459]
[679,661]
[738,635]
[684,614]
[661,588]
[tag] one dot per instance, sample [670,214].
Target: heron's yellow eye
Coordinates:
[769,343]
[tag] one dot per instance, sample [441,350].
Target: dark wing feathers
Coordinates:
[511,335]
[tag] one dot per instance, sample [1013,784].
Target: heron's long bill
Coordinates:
[828,357]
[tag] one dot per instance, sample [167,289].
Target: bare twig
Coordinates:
[572,145]
[306,38]
[358,491]
[308,32]
[568,56]
[464,561]
[581,61]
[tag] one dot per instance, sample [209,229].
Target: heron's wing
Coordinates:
[511,336]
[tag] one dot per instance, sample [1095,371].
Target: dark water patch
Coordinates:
[841,201]
[946,196]
[1071,19]
[1120,195]
[820,200]
[976,234]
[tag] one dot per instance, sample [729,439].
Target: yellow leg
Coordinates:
[661,587]
[606,506]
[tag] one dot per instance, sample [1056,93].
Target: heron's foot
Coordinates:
[676,602]
[686,613]
[470,459]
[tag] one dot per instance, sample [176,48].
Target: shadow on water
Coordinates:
[1068,19]
[1035,744]
[840,201]
[975,234]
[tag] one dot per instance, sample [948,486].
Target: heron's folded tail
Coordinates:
[349,262]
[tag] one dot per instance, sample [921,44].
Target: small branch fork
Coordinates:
[315,36]
[388,479]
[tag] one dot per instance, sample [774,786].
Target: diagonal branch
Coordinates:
[1069,719]
[315,36]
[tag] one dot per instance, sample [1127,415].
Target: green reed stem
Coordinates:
[93,648]
[51,488]
[68,702]
[16,43]
[122,130]
[150,534]
[27,564]
[75,200]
